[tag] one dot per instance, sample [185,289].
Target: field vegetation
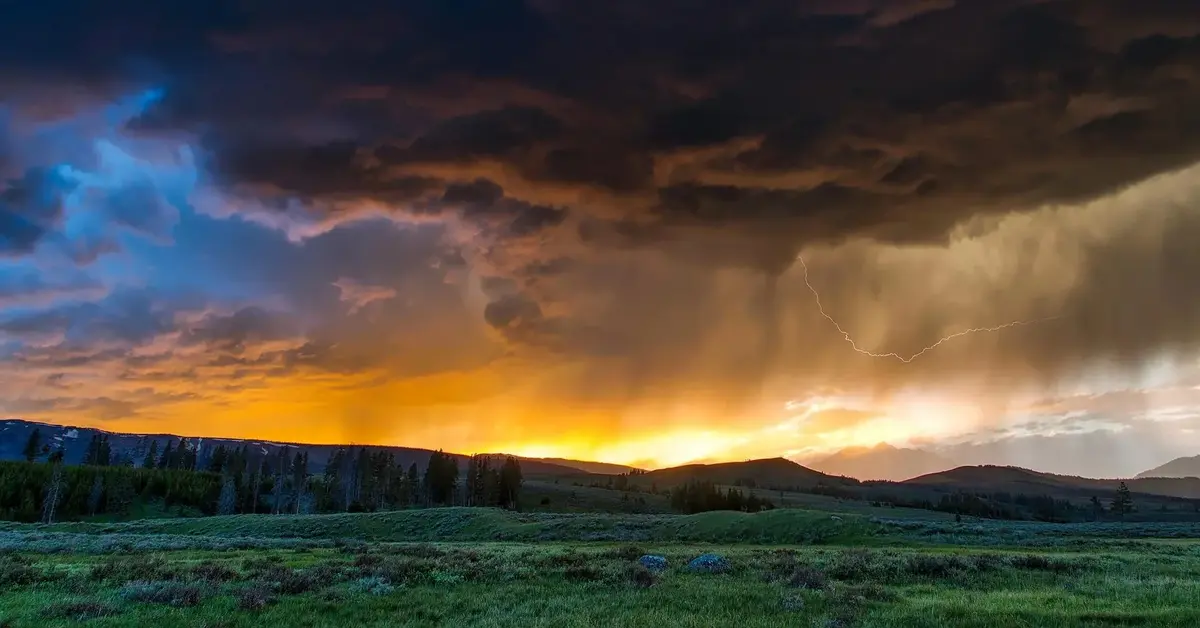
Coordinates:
[488,567]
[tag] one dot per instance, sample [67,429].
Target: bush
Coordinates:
[373,586]
[640,576]
[255,597]
[626,552]
[583,573]
[17,571]
[402,570]
[807,577]
[327,573]
[419,550]
[1037,562]
[170,593]
[936,566]
[295,581]
[212,571]
[79,610]
[364,561]
[147,569]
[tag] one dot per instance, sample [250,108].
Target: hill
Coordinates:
[586,466]
[74,440]
[1177,468]
[772,473]
[1019,480]
[882,462]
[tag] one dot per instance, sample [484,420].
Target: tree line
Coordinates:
[233,480]
[697,496]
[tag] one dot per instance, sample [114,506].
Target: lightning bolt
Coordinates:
[846,335]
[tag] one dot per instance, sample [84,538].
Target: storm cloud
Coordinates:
[535,208]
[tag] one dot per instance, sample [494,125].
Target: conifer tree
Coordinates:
[32,445]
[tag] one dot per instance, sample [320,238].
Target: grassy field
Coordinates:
[461,567]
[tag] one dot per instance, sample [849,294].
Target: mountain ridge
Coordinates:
[15,432]
[1184,467]
[882,462]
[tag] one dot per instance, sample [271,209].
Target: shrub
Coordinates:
[807,577]
[169,593]
[146,569]
[367,560]
[16,571]
[640,576]
[419,550]
[402,570]
[261,563]
[583,573]
[373,586]
[79,610]
[327,573]
[854,594]
[1037,562]
[295,581]
[935,566]
[626,552]
[212,571]
[987,562]
[255,597]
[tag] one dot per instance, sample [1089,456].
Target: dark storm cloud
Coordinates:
[569,134]
[29,207]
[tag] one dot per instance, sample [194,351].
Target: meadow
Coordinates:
[484,567]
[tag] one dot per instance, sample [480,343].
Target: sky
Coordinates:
[600,230]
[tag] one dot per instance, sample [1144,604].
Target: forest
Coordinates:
[227,481]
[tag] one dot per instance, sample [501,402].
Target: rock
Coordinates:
[709,563]
[656,564]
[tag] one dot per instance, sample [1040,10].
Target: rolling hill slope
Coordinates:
[774,473]
[1018,480]
[1178,468]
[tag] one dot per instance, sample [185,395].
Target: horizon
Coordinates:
[814,463]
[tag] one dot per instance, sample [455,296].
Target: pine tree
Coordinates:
[151,456]
[179,460]
[103,452]
[412,482]
[227,501]
[216,464]
[1122,502]
[32,445]
[299,477]
[96,495]
[164,462]
[510,483]
[92,454]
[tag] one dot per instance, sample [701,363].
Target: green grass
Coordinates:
[476,567]
[522,584]
[479,524]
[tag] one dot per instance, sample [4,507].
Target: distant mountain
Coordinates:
[882,462]
[1177,468]
[774,473]
[1018,480]
[588,467]
[74,440]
